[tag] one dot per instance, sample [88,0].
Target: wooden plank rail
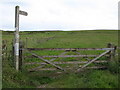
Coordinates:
[69,56]
[69,49]
[53,69]
[56,56]
[68,62]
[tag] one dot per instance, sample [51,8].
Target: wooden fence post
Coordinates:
[12,49]
[6,53]
[109,45]
[12,53]
[20,56]
[112,52]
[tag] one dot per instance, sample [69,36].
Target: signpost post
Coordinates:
[16,43]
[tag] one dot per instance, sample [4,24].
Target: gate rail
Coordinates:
[109,52]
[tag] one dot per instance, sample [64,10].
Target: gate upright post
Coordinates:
[20,56]
[112,52]
[109,45]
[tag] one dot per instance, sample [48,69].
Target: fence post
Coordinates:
[3,45]
[112,52]
[12,54]
[6,55]
[20,56]
[109,45]
[13,49]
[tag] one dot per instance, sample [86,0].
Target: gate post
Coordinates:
[109,45]
[20,56]
[112,52]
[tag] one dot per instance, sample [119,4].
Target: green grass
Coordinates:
[91,79]
[79,39]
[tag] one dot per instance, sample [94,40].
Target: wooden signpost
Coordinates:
[16,43]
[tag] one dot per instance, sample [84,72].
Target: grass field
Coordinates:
[62,39]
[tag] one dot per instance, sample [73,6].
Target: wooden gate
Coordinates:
[82,60]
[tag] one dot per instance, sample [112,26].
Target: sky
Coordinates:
[60,14]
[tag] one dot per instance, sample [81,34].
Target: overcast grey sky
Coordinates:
[60,14]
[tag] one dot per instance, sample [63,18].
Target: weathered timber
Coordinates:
[109,45]
[112,52]
[23,13]
[96,67]
[42,65]
[53,69]
[68,62]
[79,66]
[16,43]
[93,60]
[20,57]
[68,49]
[58,67]
[43,69]
[55,56]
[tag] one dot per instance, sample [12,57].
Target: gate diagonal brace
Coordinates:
[54,59]
[60,54]
[93,60]
[58,67]
[51,60]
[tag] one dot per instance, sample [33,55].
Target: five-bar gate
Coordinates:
[83,61]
